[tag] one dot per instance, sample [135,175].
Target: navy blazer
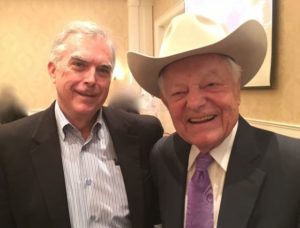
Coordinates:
[262,184]
[32,186]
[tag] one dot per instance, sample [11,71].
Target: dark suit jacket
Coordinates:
[32,186]
[262,183]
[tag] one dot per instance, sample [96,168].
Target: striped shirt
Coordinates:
[94,183]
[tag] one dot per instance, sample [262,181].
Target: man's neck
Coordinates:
[84,124]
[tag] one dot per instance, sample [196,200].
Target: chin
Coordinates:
[205,141]
[86,109]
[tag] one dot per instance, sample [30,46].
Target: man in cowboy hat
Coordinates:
[248,176]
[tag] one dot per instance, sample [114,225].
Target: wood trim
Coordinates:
[292,130]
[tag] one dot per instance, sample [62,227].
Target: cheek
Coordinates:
[230,111]
[104,84]
[64,82]
[236,102]
[176,111]
[63,77]
[230,101]
[68,85]
[237,95]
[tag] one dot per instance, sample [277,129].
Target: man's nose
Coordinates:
[195,99]
[90,77]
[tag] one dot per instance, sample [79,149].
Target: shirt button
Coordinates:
[83,148]
[88,182]
[93,218]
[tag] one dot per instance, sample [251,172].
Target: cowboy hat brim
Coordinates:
[246,45]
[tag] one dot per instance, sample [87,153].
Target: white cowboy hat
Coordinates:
[189,35]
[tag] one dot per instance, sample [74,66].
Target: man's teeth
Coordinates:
[202,119]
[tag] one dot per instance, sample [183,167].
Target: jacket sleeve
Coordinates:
[6,219]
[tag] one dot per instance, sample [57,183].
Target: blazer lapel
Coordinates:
[46,158]
[127,150]
[243,180]
[177,169]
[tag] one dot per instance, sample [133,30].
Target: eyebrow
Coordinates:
[79,58]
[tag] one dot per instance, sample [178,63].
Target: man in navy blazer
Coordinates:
[78,163]
[253,176]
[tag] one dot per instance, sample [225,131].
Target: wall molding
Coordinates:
[292,130]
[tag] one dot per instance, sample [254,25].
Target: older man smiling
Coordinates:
[216,170]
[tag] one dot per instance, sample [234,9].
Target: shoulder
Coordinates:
[146,125]
[170,147]
[283,143]
[26,126]
[289,148]
[265,140]
[166,142]
[172,142]
[140,118]
[138,122]
[20,126]
[16,136]
[278,150]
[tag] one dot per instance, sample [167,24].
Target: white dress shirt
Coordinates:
[216,170]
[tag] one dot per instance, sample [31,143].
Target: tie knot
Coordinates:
[203,161]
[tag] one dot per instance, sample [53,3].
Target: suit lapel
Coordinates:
[177,166]
[243,180]
[46,158]
[127,150]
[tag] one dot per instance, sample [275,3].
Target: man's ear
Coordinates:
[51,71]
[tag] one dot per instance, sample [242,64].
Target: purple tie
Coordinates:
[200,196]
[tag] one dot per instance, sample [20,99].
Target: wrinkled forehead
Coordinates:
[88,47]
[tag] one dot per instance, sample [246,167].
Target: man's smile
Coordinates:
[201,119]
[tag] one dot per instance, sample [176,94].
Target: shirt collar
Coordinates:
[63,122]
[220,154]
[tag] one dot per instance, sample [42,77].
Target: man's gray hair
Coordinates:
[78,27]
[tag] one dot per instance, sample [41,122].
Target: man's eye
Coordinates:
[178,93]
[79,64]
[211,84]
[103,70]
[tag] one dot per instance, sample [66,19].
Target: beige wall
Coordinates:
[280,103]
[161,6]
[27,29]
